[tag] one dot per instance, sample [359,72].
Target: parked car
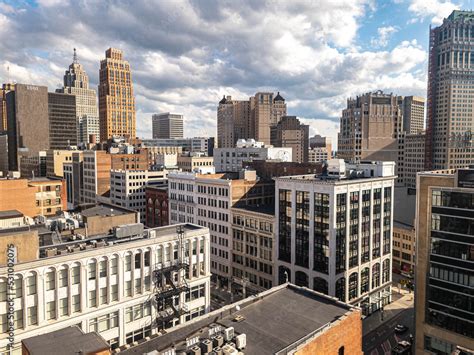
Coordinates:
[402,348]
[400,328]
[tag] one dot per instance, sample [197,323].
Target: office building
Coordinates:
[253,242]
[196,144]
[318,141]
[34,197]
[3,105]
[207,200]
[414,157]
[450,119]
[404,246]
[306,323]
[127,188]
[3,153]
[268,169]
[116,99]
[55,160]
[76,82]
[62,120]
[413,110]
[444,260]
[232,159]
[334,232]
[28,122]
[167,125]
[73,172]
[106,282]
[157,214]
[290,132]
[32,166]
[318,155]
[245,119]
[196,162]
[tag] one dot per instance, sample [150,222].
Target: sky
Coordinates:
[185,55]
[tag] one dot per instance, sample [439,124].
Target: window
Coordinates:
[50,280]
[63,307]
[376,275]
[128,288]
[128,262]
[104,323]
[92,299]
[30,285]
[103,295]
[18,319]
[138,311]
[113,265]
[147,258]
[138,285]
[114,293]
[353,285]
[51,310]
[76,303]
[63,278]
[75,275]
[92,271]
[340,351]
[32,315]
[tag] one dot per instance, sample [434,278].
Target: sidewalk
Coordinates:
[391,310]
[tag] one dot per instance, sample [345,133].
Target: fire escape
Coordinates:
[169,284]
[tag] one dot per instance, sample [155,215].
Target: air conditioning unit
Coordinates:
[195,350]
[51,252]
[229,350]
[206,346]
[229,333]
[241,341]
[216,351]
[218,341]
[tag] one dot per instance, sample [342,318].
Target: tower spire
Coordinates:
[74,57]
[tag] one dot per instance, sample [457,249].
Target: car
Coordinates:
[400,328]
[402,348]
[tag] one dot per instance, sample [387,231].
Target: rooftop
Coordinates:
[268,209]
[105,211]
[10,214]
[281,318]
[67,341]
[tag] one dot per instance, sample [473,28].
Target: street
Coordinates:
[382,339]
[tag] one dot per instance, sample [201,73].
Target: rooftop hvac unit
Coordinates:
[241,341]
[218,340]
[51,252]
[206,346]
[195,350]
[216,351]
[229,350]
[229,333]
[152,234]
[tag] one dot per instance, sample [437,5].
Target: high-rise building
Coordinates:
[414,157]
[413,108]
[73,172]
[3,106]
[76,82]
[116,100]
[444,258]
[334,232]
[244,119]
[290,132]
[450,118]
[167,125]
[62,120]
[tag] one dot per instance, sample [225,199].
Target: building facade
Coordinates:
[334,232]
[414,157]
[167,125]
[444,261]
[157,206]
[413,114]
[116,99]
[76,82]
[73,173]
[196,144]
[106,285]
[127,188]
[232,159]
[290,132]
[404,245]
[191,162]
[450,123]
[318,154]
[62,120]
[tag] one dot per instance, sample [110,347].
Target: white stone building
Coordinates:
[127,188]
[334,232]
[231,159]
[108,284]
[318,154]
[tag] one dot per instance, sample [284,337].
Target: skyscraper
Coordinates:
[167,125]
[244,119]
[444,261]
[450,116]
[290,132]
[413,114]
[62,120]
[116,100]
[76,82]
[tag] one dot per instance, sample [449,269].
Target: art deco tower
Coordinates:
[76,82]
[116,100]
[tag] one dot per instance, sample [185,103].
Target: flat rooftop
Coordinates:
[105,211]
[10,214]
[282,317]
[67,341]
[268,209]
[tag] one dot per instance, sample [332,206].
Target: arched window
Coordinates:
[341,351]
[376,275]
[283,274]
[386,271]
[320,285]
[341,289]
[301,279]
[353,281]
[364,280]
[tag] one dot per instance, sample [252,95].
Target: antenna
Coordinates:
[74,57]
[8,74]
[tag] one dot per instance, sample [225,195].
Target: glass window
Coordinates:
[92,271]
[32,315]
[63,307]
[75,275]
[50,280]
[50,310]
[31,285]
[92,299]
[76,303]
[114,265]
[63,278]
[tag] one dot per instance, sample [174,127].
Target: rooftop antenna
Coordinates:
[74,57]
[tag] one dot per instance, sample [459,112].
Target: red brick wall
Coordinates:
[347,333]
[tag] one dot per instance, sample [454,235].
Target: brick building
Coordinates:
[156,206]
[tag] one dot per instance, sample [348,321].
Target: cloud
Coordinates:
[186,54]
[435,9]
[384,34]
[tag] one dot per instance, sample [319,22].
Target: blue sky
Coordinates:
[186,54]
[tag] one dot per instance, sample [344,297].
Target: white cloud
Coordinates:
[437,10]
[384,34]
